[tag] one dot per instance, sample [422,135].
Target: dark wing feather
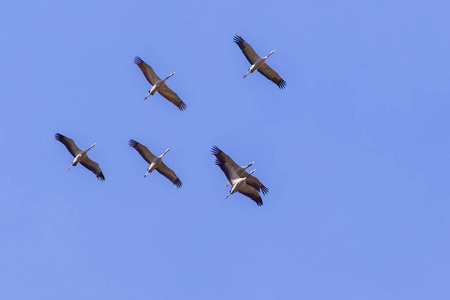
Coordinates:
[147,70]
[272,75]
[251,193]
[225,168]
[69,143]
[226,160]
[248,51]
[254,182]
[93,167]
[143,151]
[170,95]
[169,174]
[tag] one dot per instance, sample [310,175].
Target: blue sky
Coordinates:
[354,150]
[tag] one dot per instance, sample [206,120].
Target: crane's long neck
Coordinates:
[92,146]
[249,165]
[171,74]
[250,174]
[270,53]
[165,152]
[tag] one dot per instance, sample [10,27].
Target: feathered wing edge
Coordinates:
[148,71]
[254,182]
[272,75]
[252,193]
[167,172]
[245,47]
[146,154]
[93,167]
[173,97]
[68,143]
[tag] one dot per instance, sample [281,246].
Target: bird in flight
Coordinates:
[258,63]
[240,180]
[159,85]
[224,159]
[156,163]
[80,156]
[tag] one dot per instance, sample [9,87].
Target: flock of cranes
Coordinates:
[240,180]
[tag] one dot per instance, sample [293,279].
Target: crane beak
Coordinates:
[145,98]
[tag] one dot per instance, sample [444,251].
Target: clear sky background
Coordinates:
[354,150]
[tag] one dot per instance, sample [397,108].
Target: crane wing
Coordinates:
[170,95]
[225,169]
[255,183]
[69,143]
[228,170]
[223,159]
[147,70]
[169,174]
[251,193]
[272,75]
[248,51]
[143,151]
[93,167]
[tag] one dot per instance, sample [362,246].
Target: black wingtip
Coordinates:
[101,177]
[182,106]
[259,201]
[178,183]
[238,39]
[281,84]
[132,143]
[138,60]
[264,190]
[58,136]
[219,162]
[215,150]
